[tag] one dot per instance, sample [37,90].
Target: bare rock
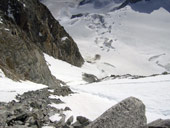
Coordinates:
[62,91]
[90,78]
[27,30]
[20,59]
[83,120]
[130,113]
[70,120]
[42,29]
[159,124]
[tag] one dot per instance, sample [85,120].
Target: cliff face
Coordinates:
[21,59]
[42,29]
[27,29]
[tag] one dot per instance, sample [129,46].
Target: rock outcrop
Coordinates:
[21,59]
[42,29]
[159,124]
[90,78]
[130,113]
[27,29]
[126,2]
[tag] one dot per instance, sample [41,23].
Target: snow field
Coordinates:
[91,100]
[9,88]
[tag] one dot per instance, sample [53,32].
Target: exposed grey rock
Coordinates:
[70,120]
[90,78]
[67,109]
[42,29]
[66,126]
[130,113]
[159,124]
[62,91]
[21,59]
[29,29]
[77,125]
[62,121]
[83,120]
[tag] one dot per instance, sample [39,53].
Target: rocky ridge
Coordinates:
[27,29]
[43,30]
[21,59]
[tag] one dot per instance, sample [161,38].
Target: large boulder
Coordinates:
[159,124]
[90,78]
[130,113]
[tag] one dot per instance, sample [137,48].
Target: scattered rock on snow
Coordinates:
[31,110]
[62,91]
[90,78]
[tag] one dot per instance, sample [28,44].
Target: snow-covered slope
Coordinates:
[91,100]
[129,40]
[9,89]
[132,40]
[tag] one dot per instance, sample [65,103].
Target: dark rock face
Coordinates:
[90,78]
[42,29]
[27,29]
[134,1]
[130,113]
[21,59]
[81,122]
[98,3]
[159,124]
[126,2]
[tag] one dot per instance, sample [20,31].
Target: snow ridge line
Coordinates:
[95,94]
[162,81]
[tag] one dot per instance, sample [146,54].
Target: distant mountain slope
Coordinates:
[133,39]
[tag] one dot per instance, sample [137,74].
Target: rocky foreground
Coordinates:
[33,110]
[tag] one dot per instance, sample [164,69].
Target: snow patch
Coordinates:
[55,117]
[51,90]
[64,38]
[10,12]
[40,34]
[48,127]
[6,29]
[58,106]
[9,88]
[24,5]
[1,20]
